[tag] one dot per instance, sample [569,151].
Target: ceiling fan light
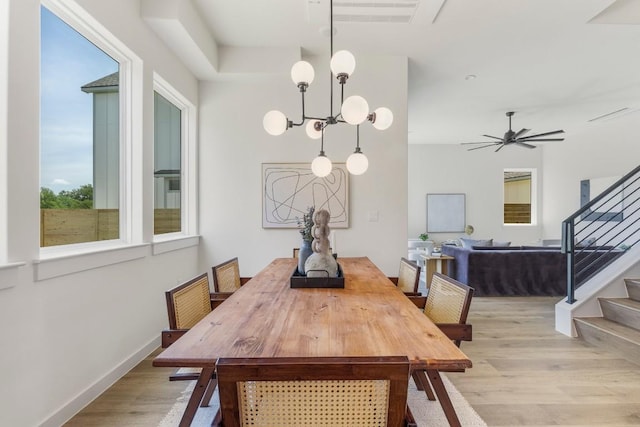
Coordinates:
[275,122]
[302,73]
[342,62]
[357,163]
[383,118]
[321,166]
[311,130]
[355,110]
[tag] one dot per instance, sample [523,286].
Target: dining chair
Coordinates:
[447,305]
[226,276]
[187,304]
[336,391]
[408,277]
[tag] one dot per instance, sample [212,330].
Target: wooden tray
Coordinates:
[300,281]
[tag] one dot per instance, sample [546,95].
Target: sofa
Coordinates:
[516,270]
[523,270]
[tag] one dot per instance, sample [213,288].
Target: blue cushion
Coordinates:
[469,243]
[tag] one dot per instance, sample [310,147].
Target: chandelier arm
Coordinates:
[331,56]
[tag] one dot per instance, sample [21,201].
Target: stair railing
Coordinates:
[602,230]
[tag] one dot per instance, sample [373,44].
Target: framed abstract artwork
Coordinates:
[289,189]
[611,208]
[445,213]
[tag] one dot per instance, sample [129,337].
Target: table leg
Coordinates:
[196,396]
[443,397]
[431,265]
[444,266]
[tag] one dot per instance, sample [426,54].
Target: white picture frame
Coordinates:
[446,213]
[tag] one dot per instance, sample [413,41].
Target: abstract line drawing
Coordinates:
[289,189]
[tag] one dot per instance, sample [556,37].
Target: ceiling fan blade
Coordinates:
[481,142]
[484,146]
[520,133]
[494,137]
[542,134]
[500,148]
[541,139]
[522,144]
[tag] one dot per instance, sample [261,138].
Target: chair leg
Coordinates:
[211,388]
[443,397]
[422,383]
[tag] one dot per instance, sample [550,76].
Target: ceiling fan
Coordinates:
[516,138]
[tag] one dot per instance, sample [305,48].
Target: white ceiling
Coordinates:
[556,63]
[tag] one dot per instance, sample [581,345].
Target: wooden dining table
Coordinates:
[370,316]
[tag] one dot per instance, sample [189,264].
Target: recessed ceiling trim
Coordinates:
[609,115]
[373,11]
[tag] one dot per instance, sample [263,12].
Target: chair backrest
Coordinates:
[226,276]
[409,276]
[189,302]
[312,391]
[448,300]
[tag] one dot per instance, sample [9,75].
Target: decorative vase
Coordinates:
[303,254]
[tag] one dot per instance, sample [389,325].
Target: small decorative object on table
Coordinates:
[321,263]
[436,252]
[305,225]
[424,237]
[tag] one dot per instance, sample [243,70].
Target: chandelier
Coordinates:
[354,110]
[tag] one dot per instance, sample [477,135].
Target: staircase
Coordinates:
[619,328]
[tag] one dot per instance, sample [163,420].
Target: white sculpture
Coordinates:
[321,262]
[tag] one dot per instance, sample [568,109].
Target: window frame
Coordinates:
[53,261]
[188,161]
[534,197]
[4,111]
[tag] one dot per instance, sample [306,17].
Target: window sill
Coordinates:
[173,242]
[9,274]
[60,261]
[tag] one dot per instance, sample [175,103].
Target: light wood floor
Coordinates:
[524,374]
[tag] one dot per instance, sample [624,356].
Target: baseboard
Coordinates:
[71,408]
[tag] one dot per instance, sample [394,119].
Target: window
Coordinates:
[167,165]
[519,196]
[174,162]
[80,137]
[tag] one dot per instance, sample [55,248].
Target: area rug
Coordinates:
[426,413]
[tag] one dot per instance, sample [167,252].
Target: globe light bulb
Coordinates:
[357,163]
[275,122]
[302,72]
[321,166]
[384,118]
[355,110]
[342,62]
[311,130]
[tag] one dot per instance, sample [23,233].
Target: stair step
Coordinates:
[633,288]
[610,335]
[622,310]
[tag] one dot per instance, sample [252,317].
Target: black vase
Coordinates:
[303,254]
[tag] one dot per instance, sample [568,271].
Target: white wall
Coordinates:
[604,149]
[479,175]
[234,144]
[609,148]
[67,338]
